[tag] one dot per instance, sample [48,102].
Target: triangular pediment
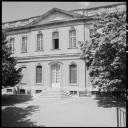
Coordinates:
[55,15]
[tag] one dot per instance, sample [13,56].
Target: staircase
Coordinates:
[54,93]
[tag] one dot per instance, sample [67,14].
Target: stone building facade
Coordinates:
[47,49]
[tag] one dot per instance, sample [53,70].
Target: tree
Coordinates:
[105,55]
[10,74]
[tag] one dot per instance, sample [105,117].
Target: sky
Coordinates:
[19,10]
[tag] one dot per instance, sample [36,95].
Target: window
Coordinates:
[73,73]
[39,41]
[92,32]
[12,40]
[72,38]
[24,44]
[55,38]
[73,92]
[39,74]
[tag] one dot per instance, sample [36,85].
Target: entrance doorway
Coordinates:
[56,75]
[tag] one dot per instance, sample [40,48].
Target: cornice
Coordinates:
[47,57]
[46,26]
[49,24]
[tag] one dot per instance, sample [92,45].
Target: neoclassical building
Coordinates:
[46,48]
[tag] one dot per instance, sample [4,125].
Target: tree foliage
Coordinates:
[10,75]
[105,55]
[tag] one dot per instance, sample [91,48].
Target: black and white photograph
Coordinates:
[63,64]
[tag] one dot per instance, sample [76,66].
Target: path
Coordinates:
[71,112]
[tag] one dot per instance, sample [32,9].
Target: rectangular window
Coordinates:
[56,43]
[72,39]
[73,74]
[38,74]
[55,38]
[39,42]
[12,40]
[24,44]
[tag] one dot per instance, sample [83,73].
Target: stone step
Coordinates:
[54,93]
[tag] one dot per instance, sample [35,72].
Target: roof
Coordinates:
[74,15]
[105,6]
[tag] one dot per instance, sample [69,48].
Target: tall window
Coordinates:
[12,40]
[55,38]
[73,73]
[72,38]
[24,44]
[39,41]
[39,74]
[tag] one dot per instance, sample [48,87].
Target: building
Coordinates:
[47,49]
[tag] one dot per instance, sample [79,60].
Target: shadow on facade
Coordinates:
[8,100]
[14,116]
[108,100]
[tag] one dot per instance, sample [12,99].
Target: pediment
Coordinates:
[55,15]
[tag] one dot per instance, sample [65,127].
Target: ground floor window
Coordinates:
[39,74]
[73,92]
[73,73]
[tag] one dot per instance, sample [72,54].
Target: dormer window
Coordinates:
[55,40]
[39,41]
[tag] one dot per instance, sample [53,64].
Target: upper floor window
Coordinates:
[55,38]
[11,45]
[72,38]
[24,44]
[39,41]
[73,73]
[39,74]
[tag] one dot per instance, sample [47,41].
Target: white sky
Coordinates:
[20,10]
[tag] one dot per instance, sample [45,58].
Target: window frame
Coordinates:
[73,83]
[53,40]
[25,44]
[72,37]
[38,80]
[39,44]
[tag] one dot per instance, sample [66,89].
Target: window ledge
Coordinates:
[39,50]
[56,49]
[38,83]
[23,51]
[71,84]
[73,48]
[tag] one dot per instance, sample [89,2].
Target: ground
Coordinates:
[38,111]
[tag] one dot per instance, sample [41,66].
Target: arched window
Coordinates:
[73,73]
[39,41]
[55,40]
[72,38]
[39,74]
